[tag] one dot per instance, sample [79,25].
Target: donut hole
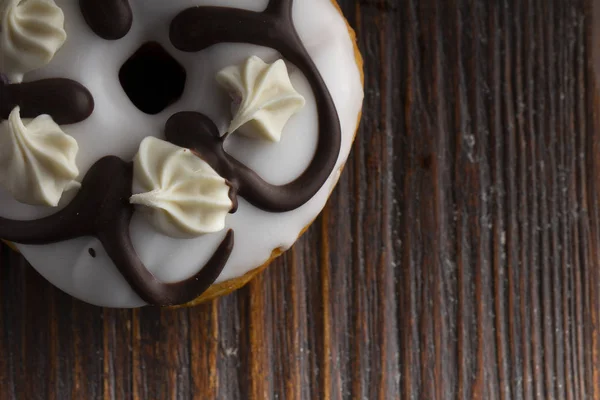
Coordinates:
[152,78]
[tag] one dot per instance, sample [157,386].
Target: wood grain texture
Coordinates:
[458,257]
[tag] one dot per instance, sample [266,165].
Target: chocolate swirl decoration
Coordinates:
[198,28]
[109,19]
[67,101]
[101,209]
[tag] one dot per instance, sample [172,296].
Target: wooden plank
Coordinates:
[117,354]
[458,257]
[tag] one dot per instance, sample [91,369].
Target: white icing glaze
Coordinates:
[263,96]
[117,127]
[32,32]
[37,159]
[183,196]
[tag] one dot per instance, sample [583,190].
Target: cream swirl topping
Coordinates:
[183,196]
[32,33]
[264,98]
[37,159]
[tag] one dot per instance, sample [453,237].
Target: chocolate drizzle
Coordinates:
[109,19]
[102,208]
[67,101]
[197,28]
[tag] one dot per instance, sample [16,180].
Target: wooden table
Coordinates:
[458,257]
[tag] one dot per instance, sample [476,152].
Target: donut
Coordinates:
[164,152]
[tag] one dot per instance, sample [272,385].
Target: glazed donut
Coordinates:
[160,153]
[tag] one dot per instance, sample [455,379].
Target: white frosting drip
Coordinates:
[184,197]
[268,99]
[32,32]
[37,159]
[117,127]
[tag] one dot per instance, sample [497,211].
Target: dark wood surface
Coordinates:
[458,257]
